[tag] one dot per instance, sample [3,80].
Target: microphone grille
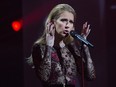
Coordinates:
[72,32]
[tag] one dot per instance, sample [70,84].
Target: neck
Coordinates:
[58,39]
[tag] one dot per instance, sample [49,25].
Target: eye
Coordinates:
[64,20]
[72,22]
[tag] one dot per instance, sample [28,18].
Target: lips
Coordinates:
[65,31]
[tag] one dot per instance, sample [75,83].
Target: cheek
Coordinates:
[72,27]
[60,25]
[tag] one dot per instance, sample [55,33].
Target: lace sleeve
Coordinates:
[83,55]
[88,65]
[42,61]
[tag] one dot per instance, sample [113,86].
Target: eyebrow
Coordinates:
[65,19]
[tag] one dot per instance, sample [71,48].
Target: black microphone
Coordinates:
[80,38]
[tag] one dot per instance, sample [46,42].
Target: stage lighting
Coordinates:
[16,25]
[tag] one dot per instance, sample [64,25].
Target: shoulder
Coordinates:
[38,45]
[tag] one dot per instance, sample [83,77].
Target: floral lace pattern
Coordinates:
[55,69]
[65,72]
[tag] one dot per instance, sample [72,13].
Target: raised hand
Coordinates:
[50,31]
[86,30]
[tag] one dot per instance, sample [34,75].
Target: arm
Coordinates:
[83,56]
[88,64]
[42,54]
[42,61]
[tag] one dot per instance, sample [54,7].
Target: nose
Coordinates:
[67,25]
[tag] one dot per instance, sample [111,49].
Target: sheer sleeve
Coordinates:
[83,55]
[88,64]
[41,55]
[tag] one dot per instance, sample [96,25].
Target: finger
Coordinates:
[47,27]
[50,24]
[88,26]
[52,30]
[51,27]
[87,29]
[88,32]
[85,25]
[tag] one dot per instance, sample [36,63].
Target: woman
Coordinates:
[55,54]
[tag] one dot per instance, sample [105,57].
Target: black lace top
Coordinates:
[60,65]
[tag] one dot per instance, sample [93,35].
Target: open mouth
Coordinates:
[65,31]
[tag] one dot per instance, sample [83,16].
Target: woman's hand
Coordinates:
[86,30]
[50,31]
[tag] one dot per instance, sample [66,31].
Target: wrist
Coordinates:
[84,36]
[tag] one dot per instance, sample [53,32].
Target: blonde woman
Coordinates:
[55,54]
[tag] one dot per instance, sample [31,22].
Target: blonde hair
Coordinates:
[54,14]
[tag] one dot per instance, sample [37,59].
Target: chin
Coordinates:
[64,35]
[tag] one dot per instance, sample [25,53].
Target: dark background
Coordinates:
[16,46]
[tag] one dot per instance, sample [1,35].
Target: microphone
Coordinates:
[80,38]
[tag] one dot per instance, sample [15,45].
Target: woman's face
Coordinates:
[65,23]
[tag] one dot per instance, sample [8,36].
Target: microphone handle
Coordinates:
[83,40]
